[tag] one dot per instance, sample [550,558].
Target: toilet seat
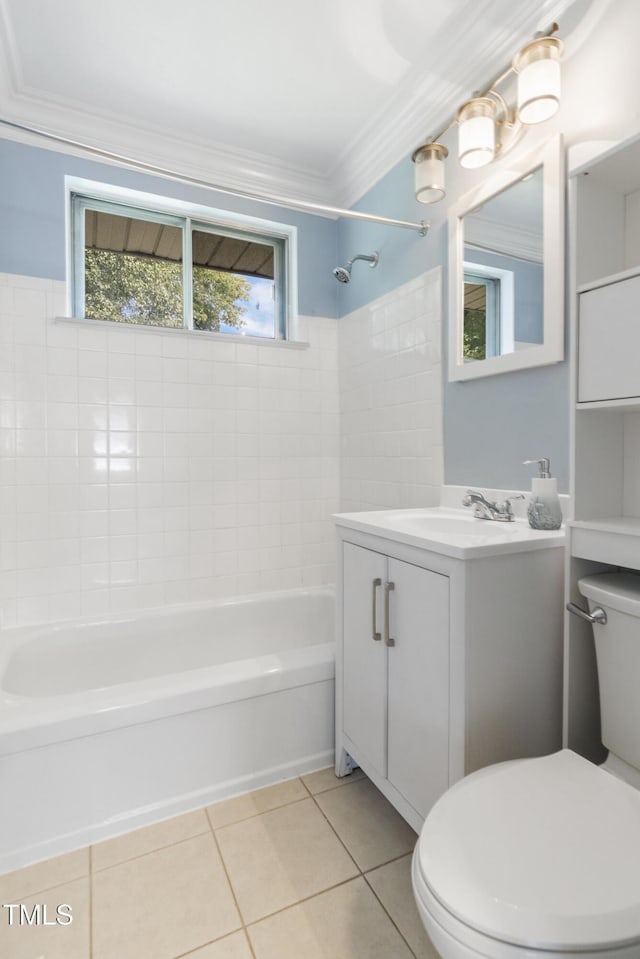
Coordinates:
[540,854]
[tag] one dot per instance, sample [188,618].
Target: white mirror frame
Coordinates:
[551,350]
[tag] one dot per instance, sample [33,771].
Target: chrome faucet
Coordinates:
[484,509]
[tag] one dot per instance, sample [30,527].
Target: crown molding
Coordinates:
[233,168]
[424,97]
[504,238]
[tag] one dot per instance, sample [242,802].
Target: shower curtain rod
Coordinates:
[302,205]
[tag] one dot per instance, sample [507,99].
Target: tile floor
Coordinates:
[315,867]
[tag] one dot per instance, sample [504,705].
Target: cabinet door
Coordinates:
[364,670]
[609,342]
[418,677]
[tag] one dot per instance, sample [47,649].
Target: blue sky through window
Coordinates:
[259,311]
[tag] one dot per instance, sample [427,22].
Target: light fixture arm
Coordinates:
[487,112]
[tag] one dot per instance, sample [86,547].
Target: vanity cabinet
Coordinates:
[444,664]
[396,671]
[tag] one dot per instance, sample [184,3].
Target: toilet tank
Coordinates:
[618,657]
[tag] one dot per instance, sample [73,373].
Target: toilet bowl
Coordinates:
[535,858]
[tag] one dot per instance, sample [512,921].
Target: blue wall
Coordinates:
[32,218]
[490,425]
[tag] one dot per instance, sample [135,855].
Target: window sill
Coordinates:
[162,330]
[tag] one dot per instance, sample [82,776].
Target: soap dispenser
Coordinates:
[544,510]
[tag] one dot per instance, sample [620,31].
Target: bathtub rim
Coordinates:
[28,722]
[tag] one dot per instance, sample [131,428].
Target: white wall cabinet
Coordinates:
[443,665]
[604,195]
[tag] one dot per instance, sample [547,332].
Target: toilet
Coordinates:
[540,858]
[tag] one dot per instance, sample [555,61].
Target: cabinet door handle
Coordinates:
[387,637]
[376,635]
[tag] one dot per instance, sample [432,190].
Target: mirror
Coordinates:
[506,268]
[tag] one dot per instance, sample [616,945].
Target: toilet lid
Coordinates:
[541,853]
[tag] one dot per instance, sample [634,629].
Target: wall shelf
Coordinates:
[629,404]
[614,540]
[608,280]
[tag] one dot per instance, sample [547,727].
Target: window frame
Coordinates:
[499,331]
[85,195]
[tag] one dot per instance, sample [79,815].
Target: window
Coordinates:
[488,312]
[145,267]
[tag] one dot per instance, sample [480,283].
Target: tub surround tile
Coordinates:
[71,941]
[142,841]
[280,857]
[392,886]
[231,947]
[368,825]
[325,779]
[252,804]
[94,410]
[163,904]
[347,921]
[15,886]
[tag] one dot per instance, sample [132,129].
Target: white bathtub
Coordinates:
[113,724]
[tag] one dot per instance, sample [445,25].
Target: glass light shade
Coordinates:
[538,69]
[477,133]
[429,172]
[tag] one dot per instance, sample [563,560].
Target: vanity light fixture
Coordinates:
[429,172]
[487,126]
[477,132]
[538,69]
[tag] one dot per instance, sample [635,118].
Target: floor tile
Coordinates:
[163,904]
[344,923]
[251,804]
[234,946]
[142,841]
[281,857]
[392,885]
[44,875]
[325,779]
[368,825]
[69,941]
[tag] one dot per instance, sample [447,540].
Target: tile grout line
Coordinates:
[90,902]
[386,911]
[230,884]
[150,852]
[289,802]
[335,832]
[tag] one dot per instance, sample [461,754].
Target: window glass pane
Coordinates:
[133,270]
[233,285]
[475,321]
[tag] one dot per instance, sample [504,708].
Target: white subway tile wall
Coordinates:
[391,399]
[142,468]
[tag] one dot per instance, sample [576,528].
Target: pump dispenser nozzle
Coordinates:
[544,466]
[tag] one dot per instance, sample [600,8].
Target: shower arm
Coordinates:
[289,203]
[370,258]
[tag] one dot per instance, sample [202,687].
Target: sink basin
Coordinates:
[424,522]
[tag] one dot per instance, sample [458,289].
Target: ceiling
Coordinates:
[315,100]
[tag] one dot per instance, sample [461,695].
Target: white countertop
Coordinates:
[451,532]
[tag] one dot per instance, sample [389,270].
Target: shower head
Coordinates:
[343,273]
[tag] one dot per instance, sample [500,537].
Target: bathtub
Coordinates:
[112,724]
